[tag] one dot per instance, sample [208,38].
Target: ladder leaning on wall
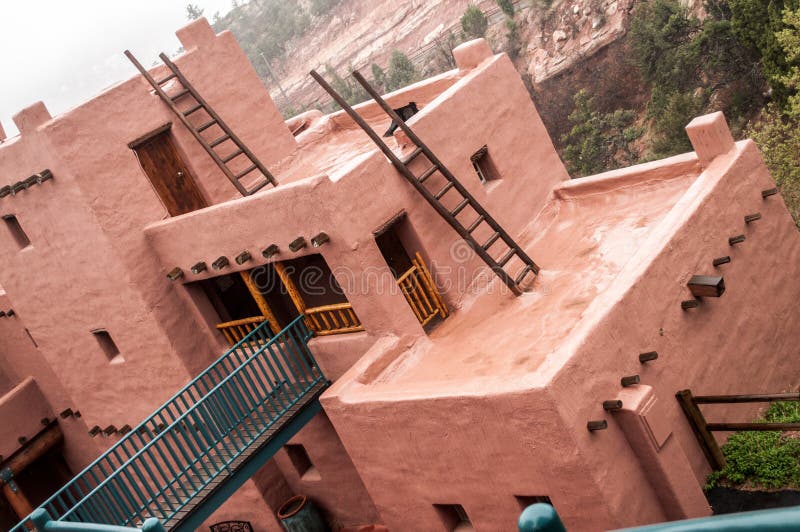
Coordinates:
[453,187]
[239,157]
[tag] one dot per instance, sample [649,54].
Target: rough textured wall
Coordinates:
[742,342]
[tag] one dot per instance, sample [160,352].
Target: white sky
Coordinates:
[64,51]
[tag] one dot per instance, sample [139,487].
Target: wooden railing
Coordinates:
[421,292]
[235,331]
[333,319]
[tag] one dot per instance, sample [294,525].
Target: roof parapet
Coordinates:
[196,34]
[710,136]
[2,134]
[472,53]
[31,117]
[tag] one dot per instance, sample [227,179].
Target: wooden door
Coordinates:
[168,174]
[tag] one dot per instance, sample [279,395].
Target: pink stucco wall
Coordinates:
[490,404]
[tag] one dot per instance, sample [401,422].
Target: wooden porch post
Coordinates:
[294,293]
[700,428]
[263,306]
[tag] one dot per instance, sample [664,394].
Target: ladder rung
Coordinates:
[411,156]
[171,76]
[429,172]
[247,171]
[492,240]
[232,156]
[522,275]
[193,109]
[181,94]
[220,140]
[206,126]
[460,207]
[475,224]
[258,187]
[442,192]
[507,257]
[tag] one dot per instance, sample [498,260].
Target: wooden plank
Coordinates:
[753,398]
[699,426]
[261,301]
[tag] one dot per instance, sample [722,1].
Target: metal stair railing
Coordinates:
[44,523]
[167,465]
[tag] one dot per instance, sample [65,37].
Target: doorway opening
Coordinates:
[168,174]
[410,272]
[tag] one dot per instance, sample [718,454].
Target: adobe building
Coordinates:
[135,255]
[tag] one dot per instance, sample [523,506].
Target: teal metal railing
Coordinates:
[542,517]
[43,522]
[198,437]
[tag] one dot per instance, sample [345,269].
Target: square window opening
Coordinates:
[108,346]
[526,500]
[454,517]
[302,462]
[20,237]
[484,166]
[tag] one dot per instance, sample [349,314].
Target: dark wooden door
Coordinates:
[168,174]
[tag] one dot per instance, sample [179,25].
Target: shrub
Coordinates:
[474,22]
[401,71]
[599,141]
[507,7]
[762,459]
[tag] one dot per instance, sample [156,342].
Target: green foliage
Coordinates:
[321,7]
[265,27]
[757,24]
[506,6]
[763,459]
[378,77]
[778,136]
[789,40]
[193,11]
[668,127]
[473,22]
[599,141]
[513,42]
[349,88]
[401,71]
[689,64]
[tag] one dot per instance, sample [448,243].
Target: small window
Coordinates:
[16,231]
[526,500]
[483,165]
[454,517]
[107,345]
[302,462]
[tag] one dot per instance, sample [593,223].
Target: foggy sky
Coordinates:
[63,52]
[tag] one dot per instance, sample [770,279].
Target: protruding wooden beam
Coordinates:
[220,263]
[629,380]
[175,274]
[601,424]
[270,251]
[769,192]
[243,257]
[690,303]
[297,244]
[752,217]
[706,286]
[719,261]
[648,357]
[738,239]
[199,268]
[612,405]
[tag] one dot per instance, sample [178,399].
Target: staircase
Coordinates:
[500,263]
[226,149]
[190,455]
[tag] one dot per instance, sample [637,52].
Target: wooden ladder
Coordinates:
[452,186]
[240,156]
